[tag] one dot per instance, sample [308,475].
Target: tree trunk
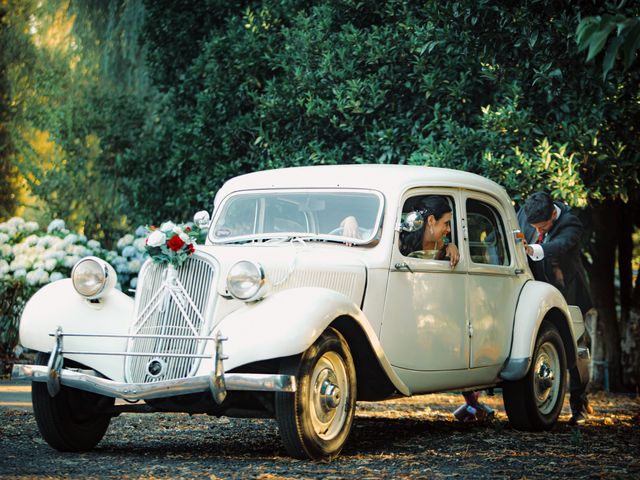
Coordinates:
[605,228]
[630,344]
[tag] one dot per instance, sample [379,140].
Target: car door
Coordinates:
[493,284]
[424,321]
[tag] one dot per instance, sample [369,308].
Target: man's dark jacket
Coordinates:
[562,264]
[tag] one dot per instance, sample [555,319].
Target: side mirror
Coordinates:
[202,219]
[411,221]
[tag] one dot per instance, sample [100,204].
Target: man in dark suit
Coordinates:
[553,236]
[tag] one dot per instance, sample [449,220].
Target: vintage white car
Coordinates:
[282,314]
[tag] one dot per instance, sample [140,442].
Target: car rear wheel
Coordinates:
[73,420]
[315,421]
[534,402]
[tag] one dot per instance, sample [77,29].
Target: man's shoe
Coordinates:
[579,418]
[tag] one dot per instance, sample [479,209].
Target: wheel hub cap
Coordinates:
[328,394]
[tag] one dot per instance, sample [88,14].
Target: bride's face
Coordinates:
[437,229]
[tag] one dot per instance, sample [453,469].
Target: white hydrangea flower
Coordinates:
[31,240]
[141,231]
[31,227]
[15,222]
[70,260]
[124,241]
[93,244]
[37,277]
[4,267]
[6,250]
[20,273]
[139,244]
[50,265]
[55,276]
[82,238]
[55,225]
[4,238]
[134,282]
[129,251]
[70,239]
[134,266]
[21,262]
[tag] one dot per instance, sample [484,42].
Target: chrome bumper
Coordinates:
[83,380]
[218,383]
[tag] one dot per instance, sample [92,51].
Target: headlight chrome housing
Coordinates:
[246,281]
[93,278]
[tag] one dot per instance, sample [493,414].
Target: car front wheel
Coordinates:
[315,421]
[73,420]
[534,402]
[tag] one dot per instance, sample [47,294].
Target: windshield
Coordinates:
[347,216]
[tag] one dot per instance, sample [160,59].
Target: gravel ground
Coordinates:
[400,439]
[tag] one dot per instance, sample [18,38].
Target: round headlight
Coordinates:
[246,281]
[93,277]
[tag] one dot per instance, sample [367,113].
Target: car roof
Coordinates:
[388,179]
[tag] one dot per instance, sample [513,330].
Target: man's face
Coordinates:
[545,226]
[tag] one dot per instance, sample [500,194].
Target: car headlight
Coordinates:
[93,278]
[246,281]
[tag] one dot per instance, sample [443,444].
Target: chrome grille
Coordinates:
[172,308]
[343,282]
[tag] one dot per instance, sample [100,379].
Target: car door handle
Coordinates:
[402,266]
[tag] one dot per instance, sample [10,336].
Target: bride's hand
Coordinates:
[453,254]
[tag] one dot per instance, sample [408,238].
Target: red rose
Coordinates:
[175,243]
[190,248]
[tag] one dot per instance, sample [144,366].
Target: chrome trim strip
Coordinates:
[137,354]
[139,335]
[168,388]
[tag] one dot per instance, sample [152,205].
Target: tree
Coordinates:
[78,108]
[497,90]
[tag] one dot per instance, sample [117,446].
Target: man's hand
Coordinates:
[527,248]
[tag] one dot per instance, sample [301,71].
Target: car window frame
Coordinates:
[487,199]
[457,237]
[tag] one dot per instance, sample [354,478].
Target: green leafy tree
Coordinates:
[78,108]
[498,90]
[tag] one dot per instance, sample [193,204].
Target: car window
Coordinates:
[415,244]
[318,213]
[487,239]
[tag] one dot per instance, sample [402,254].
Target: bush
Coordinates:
[31,257]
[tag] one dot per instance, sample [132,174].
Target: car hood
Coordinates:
[294,265]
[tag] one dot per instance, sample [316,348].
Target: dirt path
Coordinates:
[407,438]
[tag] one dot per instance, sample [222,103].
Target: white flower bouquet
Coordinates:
[170,243]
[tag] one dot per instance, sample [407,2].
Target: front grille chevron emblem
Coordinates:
[174,309]
[171,289]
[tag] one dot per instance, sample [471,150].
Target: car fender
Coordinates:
[58,305]
[288,323]
[537,301]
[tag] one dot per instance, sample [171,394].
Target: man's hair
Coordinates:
[538,207]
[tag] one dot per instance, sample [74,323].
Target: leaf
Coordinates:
[610,56]
[598,40]
[585,28]
[631,44]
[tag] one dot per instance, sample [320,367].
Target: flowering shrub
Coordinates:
[31,257]
[171,243]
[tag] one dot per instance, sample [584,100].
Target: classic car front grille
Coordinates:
[171,309]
